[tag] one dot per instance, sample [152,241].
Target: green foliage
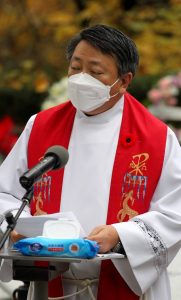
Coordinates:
[140,86]
[20,105]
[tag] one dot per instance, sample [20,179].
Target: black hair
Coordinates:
[109,41]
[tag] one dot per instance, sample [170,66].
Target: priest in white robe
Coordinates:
[147,232]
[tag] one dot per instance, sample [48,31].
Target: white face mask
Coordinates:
[87,93]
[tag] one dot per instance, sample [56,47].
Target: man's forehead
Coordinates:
[89,54]
[86,51]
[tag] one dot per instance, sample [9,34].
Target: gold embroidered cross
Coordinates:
[138,163]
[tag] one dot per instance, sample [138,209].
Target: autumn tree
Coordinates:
[34,35]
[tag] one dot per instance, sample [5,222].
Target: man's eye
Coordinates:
[96,73]
[75,68]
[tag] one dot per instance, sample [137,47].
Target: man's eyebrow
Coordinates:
[91,61]
[76,58]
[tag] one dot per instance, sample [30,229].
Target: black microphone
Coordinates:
[55,157]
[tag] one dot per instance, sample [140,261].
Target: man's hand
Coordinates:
[16,236]
[106,236]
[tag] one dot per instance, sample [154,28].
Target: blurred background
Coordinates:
[33,67]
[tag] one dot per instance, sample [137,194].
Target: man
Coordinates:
[123,177]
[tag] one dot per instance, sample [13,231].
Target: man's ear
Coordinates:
[126,79]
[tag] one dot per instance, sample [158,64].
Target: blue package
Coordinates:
[43,246]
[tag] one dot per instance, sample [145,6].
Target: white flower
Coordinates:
[57,94]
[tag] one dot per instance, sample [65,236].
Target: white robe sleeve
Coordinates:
[11,192]
[152,240]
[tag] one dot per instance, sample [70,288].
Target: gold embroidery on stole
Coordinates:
[41,194]
[126,210]
[134,186]
[38,205]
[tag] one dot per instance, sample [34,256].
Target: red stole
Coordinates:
[136,171]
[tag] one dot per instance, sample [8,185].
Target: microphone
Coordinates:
[55,157]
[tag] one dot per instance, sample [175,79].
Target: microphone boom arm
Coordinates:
[12,220]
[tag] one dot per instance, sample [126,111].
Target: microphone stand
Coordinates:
[30,272]
[12,220]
